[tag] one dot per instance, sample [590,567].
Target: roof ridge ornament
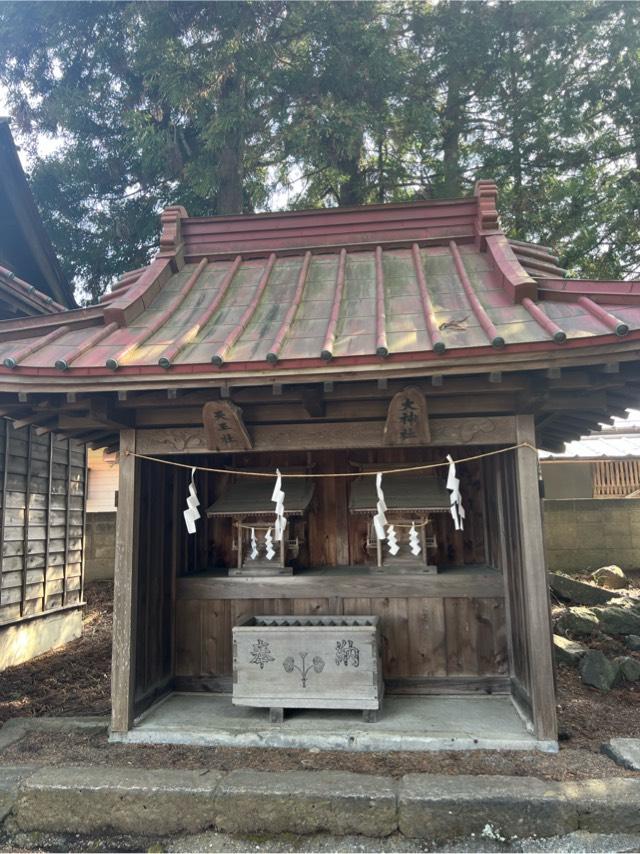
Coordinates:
[486,192]
[171,242]
[516,281]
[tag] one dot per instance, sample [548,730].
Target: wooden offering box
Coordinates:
[308,662]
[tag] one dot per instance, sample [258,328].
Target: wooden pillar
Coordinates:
[536,589]
[125,588]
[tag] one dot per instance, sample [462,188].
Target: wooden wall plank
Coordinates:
[414,631]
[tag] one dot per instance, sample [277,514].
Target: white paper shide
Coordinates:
[380,519]
[278,499]
[414,540]
[453,485]
[192,514]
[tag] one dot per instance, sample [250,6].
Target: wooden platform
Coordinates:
[441,633]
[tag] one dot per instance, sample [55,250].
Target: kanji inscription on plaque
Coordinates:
[224,427]
[407,419]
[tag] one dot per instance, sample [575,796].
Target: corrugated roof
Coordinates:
[616,440]
[425,280]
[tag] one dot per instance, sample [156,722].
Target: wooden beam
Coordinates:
[535,586]
[445,432]
[313,401]
[125,588]
[450,584]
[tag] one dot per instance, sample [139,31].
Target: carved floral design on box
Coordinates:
[261,653]
[317,665]
[347,653]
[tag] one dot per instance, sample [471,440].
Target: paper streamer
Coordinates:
[191,514]
[453,485]
[392,540]
[414,541]
[268,541]
[254,545]
[278,500]
[380,520]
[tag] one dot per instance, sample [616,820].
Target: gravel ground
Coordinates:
[216,843]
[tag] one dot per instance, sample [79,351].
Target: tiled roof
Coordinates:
[25,297]
[340,287]
[25,246]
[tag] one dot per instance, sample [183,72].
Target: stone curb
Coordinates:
[120,800]
[10,778]
[337,802]
[443,807]
[435,807]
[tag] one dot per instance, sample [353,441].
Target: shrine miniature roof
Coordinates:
[406,492]
[252,497]
[430,283]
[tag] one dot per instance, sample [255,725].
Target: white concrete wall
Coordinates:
[34,636]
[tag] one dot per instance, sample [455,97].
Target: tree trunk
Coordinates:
[230,166]
[452,121]
[352,190]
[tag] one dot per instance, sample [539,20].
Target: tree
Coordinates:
[219,106]
[156,104]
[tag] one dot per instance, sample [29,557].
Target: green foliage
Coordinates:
[227,107]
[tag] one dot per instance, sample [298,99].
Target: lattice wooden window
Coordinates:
[616,478]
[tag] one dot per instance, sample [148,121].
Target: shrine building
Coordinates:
[327,424]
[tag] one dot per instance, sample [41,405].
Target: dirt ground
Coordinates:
[76,681]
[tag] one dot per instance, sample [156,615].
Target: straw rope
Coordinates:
[271,474]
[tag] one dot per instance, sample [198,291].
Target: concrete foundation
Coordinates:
[405,723]
[24,640]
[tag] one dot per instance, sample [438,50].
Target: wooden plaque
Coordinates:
[407,419]
[224,427]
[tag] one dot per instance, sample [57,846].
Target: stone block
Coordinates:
[441,808]
[633,642]
[611,577]
[568,651]
[306,802]
[628,668]
[596,670]
[119,800]
[624,751]
[605,805]
[579,592]
[579,621]
[619,617]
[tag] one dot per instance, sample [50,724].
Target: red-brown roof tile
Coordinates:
[425,280]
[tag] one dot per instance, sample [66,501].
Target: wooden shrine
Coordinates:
[247,502]
[333,342]
[411,500]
